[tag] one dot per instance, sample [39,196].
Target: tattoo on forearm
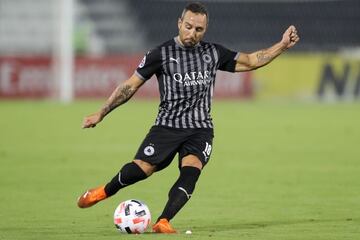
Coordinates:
[120,96]
[263,58]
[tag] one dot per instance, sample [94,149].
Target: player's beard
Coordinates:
[189,42]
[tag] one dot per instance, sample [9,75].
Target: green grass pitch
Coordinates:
[278,171]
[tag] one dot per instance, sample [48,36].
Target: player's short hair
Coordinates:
[196,7]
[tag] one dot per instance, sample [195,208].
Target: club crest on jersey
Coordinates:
[206,58]
[193,78]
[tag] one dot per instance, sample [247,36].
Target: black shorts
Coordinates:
[162,143]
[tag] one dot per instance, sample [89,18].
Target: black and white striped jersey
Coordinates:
[186,78]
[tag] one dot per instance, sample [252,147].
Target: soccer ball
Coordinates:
[132,216]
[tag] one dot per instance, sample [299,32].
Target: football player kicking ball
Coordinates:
[185,67]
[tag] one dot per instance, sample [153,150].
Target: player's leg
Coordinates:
[184,186]
[180,193]
[193,155]
[155,153]
[129,174]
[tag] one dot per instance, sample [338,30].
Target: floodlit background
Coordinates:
[285,162]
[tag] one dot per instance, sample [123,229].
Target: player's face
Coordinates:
[192,28]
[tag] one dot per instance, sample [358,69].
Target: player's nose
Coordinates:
[192,34]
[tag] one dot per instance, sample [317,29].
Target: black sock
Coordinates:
[129,174]
[181,192]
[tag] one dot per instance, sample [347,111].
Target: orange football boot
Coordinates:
[91,197]
[163,226]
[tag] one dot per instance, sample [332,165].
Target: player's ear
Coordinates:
[179,23]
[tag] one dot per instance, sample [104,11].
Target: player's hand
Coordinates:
[91,120]
[290,37]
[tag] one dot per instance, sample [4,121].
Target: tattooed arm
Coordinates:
[247,62]
[119,96]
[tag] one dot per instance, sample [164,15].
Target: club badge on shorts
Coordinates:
[149,150]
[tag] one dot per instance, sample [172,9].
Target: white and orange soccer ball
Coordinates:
[132,216]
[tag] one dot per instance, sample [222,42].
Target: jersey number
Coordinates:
[207,151]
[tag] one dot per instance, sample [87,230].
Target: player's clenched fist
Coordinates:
[91,120]
[290,37]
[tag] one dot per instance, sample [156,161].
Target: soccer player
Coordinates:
[185,67]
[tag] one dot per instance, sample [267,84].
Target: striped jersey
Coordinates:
[186,78]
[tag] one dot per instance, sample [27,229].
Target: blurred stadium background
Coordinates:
[83,48]
[285,163]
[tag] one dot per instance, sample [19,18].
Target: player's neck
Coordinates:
[178,41]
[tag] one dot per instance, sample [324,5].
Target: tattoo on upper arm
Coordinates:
[121,95]
[262,57]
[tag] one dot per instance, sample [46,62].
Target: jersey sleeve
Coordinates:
[227,58]
[149,65]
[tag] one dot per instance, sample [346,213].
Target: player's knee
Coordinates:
[145,166]
[191,161]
